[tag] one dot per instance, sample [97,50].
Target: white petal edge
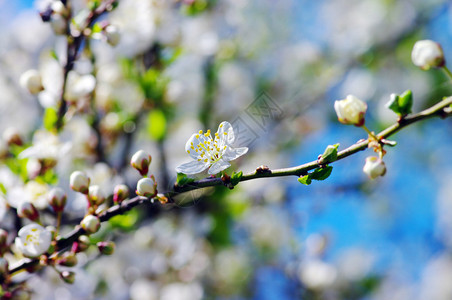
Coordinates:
[233,153]
[218,167]
[193,167]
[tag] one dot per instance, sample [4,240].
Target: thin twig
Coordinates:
[441,109]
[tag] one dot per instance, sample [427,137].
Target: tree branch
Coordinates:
[442,109]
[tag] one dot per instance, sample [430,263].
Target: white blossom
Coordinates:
[33,240]
[351,110]
[427,54]
[213,153]
[374,167]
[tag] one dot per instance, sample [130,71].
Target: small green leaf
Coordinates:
[306,179]
[406,102]
[321,173]
[236,177]
[182,179]
[330,154]
[126,221]
[157,124]
[50,118]
[2,189]
[96,28]
[54,55]
[401,104]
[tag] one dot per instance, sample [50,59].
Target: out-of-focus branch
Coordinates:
[442,109]
[74,42]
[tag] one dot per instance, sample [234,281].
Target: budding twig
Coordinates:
[441,109]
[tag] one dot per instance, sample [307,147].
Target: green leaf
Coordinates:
[236,177]
[321,173]
[306,179]
[330,154]
[50,118]
[401,104]
[406,102]
[157,124]
[182,179]
[2,189]
[125,221]
[96,28]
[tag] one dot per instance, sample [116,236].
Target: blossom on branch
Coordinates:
[374,167]
[213,153]
[33,240]
[427,54]
[351,110]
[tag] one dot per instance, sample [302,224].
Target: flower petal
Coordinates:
[192,167]
[192,145]
[218,167]
[226,132]
[233,153]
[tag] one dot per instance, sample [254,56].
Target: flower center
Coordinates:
[209,149]
[32,237]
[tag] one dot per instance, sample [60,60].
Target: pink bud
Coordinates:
[27,210]
[141,161]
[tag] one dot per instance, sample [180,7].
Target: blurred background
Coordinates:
[273,69]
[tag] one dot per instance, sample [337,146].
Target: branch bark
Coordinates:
[442,109]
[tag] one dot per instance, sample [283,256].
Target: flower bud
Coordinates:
[68,259]
[141,161]
[91,224]
[81,244]
[374,167]
[68,277]
[112,34]
[146,187]
[12,137]
[27,210]
[106,248]
[95,195]
[79,182]
[351,111]
[31,80]
[58,23]
[427,54]
[120,193]
[57,199]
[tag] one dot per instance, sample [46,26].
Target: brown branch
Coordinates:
[442,109]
